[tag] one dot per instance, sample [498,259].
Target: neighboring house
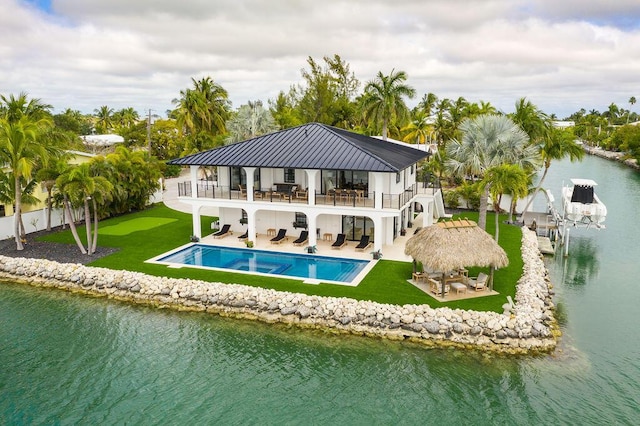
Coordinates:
[314,177]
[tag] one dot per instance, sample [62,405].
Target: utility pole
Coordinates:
[149,133]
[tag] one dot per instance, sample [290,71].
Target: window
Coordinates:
[290,175]
[301,221]
[412,168]
[398,177]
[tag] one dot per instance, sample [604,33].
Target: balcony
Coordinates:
[337,197]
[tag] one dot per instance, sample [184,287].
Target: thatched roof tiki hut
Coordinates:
[451,245]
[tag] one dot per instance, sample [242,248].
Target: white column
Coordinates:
[311,179]
[249,171]
[312,221]
[377,233]
[195,215]
[251,224]
[378,179]
[194,181]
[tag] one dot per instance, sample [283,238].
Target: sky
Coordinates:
[562,55]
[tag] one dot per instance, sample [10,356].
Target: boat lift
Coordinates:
[581,208]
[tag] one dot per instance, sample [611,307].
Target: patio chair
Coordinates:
[226,230]
[303,238]
[243,191]
[282,235]
[339,242]
[436,287]
[479,283]
[364,243]
[244,236]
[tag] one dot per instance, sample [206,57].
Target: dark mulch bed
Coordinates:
[63,253]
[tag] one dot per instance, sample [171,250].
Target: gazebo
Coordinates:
[455,244]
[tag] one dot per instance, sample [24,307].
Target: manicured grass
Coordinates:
[143,235]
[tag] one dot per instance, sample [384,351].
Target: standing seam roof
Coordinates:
[310,146]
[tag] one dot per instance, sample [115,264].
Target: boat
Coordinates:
[581,206]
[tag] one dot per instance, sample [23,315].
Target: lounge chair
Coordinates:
[479,283]
[244,236]
[303,238]
[364,243]
[436,287]
[226,230]
[282,234]
[339,242]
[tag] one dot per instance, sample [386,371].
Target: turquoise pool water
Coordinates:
[267,262]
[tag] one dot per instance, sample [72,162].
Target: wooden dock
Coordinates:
[545,246]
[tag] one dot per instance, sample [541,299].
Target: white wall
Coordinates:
[33,221]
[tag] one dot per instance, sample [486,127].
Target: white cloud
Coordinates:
[142,53]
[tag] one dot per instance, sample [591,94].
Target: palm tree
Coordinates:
[531,119]
[203,108]
[250,121]
[22,151]
[632,102]
[489,141]
[558,144]
[384,98]
[419,130]
[104,118]
[79,187]
[48,175]
[502,179]
[427,104]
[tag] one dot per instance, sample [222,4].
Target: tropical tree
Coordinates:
[23,126]
[489,141]
[557,145]
[81,188]
[203,109]
[283,110]
[384,98]
[419,130]
[531,119]
[250,120]
[632,102]
[427,104]
[47,176]
[104,119]
[505,178]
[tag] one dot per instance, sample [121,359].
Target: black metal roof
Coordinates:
[310,146]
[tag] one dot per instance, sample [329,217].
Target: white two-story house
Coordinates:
[316,177]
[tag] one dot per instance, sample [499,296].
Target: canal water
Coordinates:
[71,359]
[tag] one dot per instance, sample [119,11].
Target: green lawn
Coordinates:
[143,235]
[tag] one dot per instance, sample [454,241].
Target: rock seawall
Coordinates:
[529,328]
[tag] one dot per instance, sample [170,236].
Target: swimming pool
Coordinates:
[322,268]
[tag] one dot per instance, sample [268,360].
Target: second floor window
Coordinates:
[289,175]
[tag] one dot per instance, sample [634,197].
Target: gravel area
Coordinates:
[63,253]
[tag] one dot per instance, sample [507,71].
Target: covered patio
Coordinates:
[445,250]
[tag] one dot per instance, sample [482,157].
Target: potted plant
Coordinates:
[376,254]
[403,232]
[249,244]
[311,249]
[194,239]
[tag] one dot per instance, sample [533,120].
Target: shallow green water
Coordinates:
[69,359]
